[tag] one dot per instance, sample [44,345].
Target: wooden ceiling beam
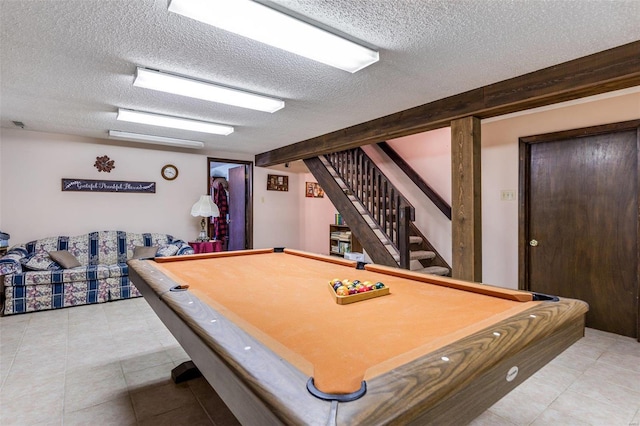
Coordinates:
[613,69]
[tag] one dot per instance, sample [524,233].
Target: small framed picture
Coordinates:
[277,183]
[313,190]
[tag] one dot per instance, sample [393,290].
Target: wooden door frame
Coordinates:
[524,185]
[249,192]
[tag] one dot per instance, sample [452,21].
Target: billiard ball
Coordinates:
[342,291]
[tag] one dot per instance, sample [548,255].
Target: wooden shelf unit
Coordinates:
[342,241]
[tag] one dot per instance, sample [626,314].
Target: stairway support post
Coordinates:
[466,217]
[404,218]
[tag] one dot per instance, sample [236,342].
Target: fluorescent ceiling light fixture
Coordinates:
[261,23]
[173,122]
[157,140]
[169,83]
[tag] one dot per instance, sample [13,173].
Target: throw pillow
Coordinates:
[168,250]
[65,259]
[9,266]
[144,252]
[39,262]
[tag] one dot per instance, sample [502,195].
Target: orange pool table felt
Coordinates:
[283,301]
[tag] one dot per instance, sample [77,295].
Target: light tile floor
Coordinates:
[110,364]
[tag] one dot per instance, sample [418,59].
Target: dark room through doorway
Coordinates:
[230,184]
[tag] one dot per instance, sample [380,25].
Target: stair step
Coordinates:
[414,239]
[421,255]
[433,270]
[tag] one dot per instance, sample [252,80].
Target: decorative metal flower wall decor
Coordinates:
[104,164]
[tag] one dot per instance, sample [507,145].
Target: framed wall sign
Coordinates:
[277,183]
[89,185]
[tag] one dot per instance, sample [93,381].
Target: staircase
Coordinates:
[379,216]
[422,259]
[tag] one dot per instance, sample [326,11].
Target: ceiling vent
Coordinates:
[18,124]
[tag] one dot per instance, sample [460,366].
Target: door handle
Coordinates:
[533,243]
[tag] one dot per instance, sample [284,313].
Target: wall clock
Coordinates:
[169,172]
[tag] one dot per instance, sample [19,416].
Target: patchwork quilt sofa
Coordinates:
[88,268]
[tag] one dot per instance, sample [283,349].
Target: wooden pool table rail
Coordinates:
[262,388]
[489,290]
[247,380]
[433,391]
[322,257]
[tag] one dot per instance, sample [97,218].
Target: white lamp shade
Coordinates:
[205,207]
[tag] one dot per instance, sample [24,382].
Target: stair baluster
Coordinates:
[384,203]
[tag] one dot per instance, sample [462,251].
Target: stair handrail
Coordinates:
[359,224]
[386,205]
[435,198]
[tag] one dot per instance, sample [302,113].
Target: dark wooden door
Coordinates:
[237,208]
[582,216]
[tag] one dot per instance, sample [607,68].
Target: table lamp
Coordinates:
[204,207]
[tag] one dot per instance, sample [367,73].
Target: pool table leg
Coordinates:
[185,371]
[247,408]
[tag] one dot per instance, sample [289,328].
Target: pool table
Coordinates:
[264,328]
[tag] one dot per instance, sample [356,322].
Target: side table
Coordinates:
[206,246]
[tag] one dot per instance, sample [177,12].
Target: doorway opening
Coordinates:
[230,184]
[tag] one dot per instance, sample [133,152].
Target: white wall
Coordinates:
[316,216]
[276,221]
[32,204]
[288,218]
[429,154]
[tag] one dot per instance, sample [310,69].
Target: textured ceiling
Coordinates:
[68,65]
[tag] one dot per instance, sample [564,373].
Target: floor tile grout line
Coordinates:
[616,407]
[64,384]
[583,374]
[124,377]
[64,412]
[548,406]
[619,366]
[204,409]
[13,358]
[502,418]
